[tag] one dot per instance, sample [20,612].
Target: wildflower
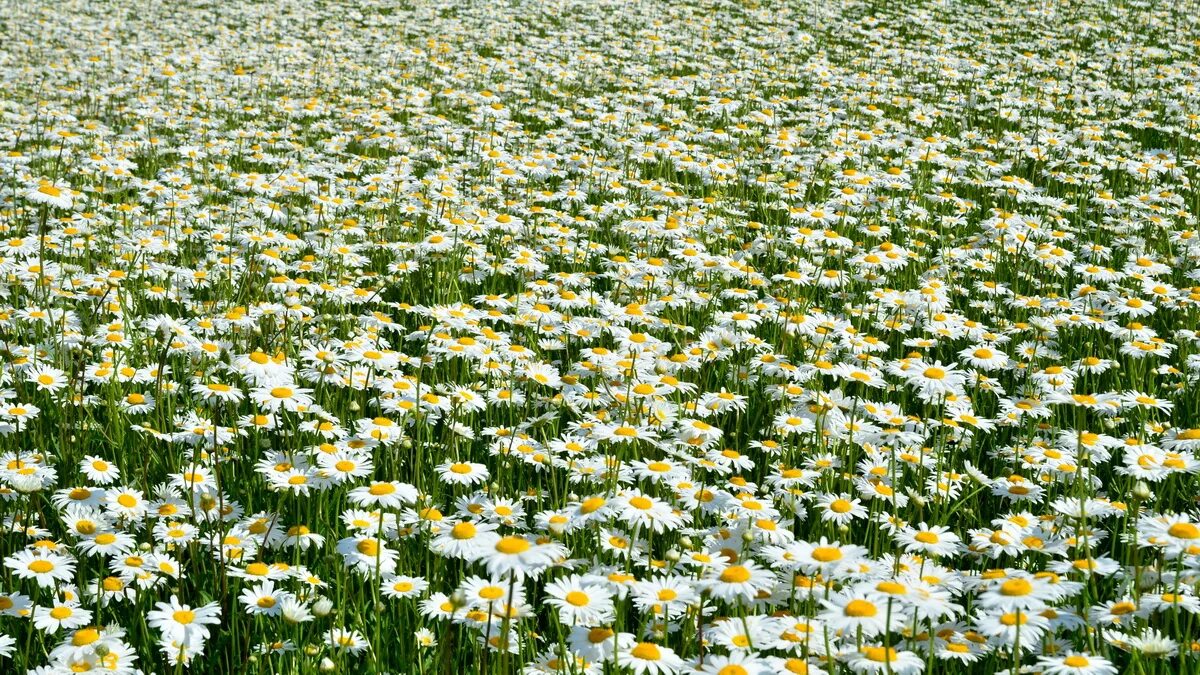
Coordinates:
[183,623]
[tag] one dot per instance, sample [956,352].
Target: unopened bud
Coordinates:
[673,555]
[327,665]
[322,607]
[1141,491]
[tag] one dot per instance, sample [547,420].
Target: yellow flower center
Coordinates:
[879,654]
[1184,531]
[512,545]
[826,554]
[1016,588]
[735,574]
[860,609]
[646,651]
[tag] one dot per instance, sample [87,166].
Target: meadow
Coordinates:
[599,337]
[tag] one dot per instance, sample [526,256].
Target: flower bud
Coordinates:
[1141,491]
[322,607]
[327,665]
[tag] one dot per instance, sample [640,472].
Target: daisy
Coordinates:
[854,612]
[46,568]
[1007,627]
[935,381]
[68,615]
[263,598]
[403,586]
[467,540]
[293,610]
[283,397]
[51,195]
[936,541]
[883,659]
[626,433]
[126,503]
[744,580]
[578,603]
[520,557]
[47,378]
[99,470]
[346,640]
[746,635]
[484,593]
[597,643]
[1018,591]
[183,623]
[344,465]
[671,593]
[463,473]
[1076,664]
[984,357]
[825,556]
[840,509]
[14,604]
[644,511]
[647,658]
[390,494]
[108,543]
[368,555]
[217,392]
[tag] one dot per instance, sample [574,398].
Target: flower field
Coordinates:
[600,338]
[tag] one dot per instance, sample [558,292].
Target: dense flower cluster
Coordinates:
[720,338]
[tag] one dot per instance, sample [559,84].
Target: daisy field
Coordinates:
[721,337]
